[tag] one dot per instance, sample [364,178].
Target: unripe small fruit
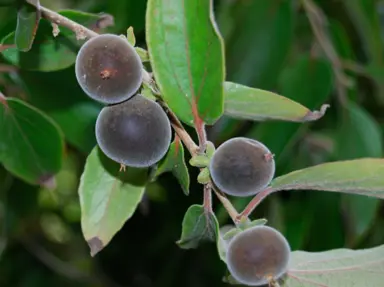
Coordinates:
[135,133]
[242,167]
[108,69]
[258,255]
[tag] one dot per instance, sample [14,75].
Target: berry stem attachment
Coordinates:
[202,135]
[208,198]
[228,206]
[181,132]
[255,202]
[81,31]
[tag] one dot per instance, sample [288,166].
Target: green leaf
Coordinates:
[186,53]
[360,176]
[31,144]
[359,136]
[143,54]
[198,226]
[108,198]
[243,102]
[28,18]
[339,267]
[63,48]
[309,82]
[174,162]
[131,36]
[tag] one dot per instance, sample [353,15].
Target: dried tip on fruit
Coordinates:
[258,256]
[135,133]
[122,168]
[242,167]
[108,69]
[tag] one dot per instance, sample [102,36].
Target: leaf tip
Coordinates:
[315,115]
[96,245]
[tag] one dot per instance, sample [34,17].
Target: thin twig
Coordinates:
[227,205]
[4,68]
[180,131]
[255,202]
[318,22]
[80,31]
[208,198]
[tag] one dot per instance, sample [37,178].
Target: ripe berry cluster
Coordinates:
[135,131]
[131,129]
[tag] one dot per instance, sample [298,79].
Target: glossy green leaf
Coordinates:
[339,267]
[28,18]
[108,198]
[31,144]
[259,105]
[49,53]
[360,176]
[186,53]
[174,162]
[308,82]
[198,226]
[359,136]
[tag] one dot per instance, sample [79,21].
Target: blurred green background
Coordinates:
[270,44]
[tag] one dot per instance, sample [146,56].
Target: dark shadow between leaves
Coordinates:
[131,175]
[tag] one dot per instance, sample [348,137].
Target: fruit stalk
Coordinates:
[228,206]
[255,202]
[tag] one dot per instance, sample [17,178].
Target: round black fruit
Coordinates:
[135,133]
[108,69]
[242,167]
[258,255]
